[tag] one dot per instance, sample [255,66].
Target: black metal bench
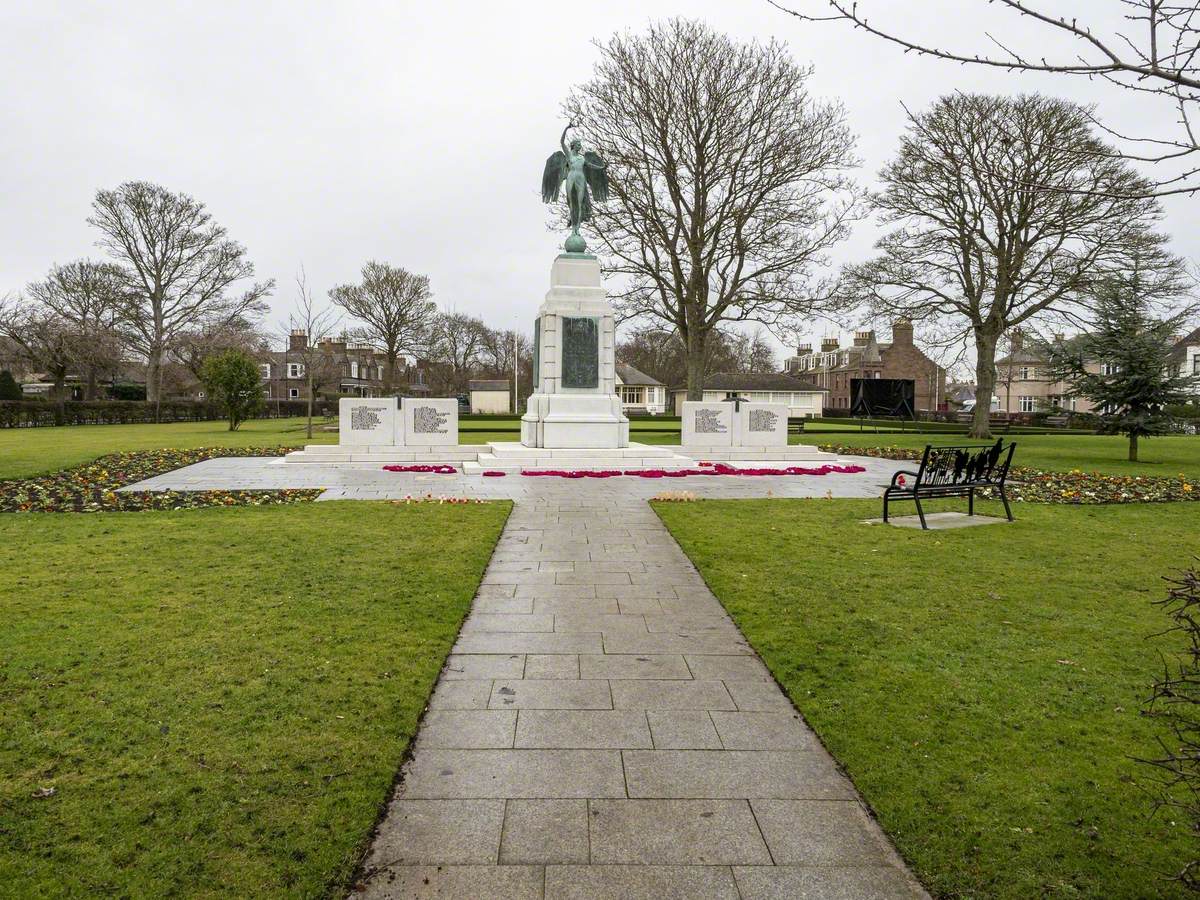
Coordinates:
[953,472]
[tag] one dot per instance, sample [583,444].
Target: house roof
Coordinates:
[629,375]
[1179,351]
[489,384]
[731,381]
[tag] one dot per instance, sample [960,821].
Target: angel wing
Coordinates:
[552,177]
[595,170]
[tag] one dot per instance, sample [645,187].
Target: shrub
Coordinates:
[1176,702]
[128,392]
[232,378]
[9,389]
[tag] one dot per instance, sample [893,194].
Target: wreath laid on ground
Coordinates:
[92,487]
[1075,486]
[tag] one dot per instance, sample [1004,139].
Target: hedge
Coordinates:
[37,413]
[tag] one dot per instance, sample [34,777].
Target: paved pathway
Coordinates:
[601,729]
[370,482]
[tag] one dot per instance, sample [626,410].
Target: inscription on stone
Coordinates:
[580,352]
[708,421]
[364,418]
[763,420]
[428,420]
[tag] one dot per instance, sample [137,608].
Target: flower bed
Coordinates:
[708,469]
[422,467]
[1075,486]
[92,487]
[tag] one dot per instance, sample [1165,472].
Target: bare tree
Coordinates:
[728,180]
[44,340]
[191,348]
[86,297]
[315,324]
[978,240]
[1157,55]
[455,341]
[179,267]
[396,310]
[508,354]
[752,353]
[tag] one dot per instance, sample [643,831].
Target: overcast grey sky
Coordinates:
[326,134]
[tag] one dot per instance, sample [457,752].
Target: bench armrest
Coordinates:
[900,472]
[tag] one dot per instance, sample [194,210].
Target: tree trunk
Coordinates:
[89,390]
[389,373]
[1133,450]
[695,364]
[60,398]
[153,364]
[985,382]
[308,430]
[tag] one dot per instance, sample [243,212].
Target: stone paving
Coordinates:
[602,729]
[370,482]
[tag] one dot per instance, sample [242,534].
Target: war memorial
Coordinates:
[573,418]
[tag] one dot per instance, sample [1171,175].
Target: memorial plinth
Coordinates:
[575,402]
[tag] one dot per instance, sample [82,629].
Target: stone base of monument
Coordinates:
[380,455]
[575,403]
[504,456]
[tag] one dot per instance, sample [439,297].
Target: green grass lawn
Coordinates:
[982,687]
[218,699]
[1167,455]
[34,451]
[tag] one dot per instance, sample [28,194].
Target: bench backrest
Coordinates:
[968,464]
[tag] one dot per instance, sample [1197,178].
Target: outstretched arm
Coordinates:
[562,141]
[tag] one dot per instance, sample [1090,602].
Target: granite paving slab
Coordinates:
[601,729]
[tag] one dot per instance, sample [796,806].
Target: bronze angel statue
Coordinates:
[586,176]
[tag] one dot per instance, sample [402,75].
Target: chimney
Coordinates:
[297,340]
[862,338]
[804,350]
[902,333]
[1016,340]
[830,344]
[1059,337]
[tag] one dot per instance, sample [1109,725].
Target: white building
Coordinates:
[1185,355]
[803,399]
[490,397]
[640,394]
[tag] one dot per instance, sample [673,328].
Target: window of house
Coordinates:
[1196,365]
[199,395]
[1108,368]
[293,393]
[295,370]
[265,368]
[353,368]
[1026,404]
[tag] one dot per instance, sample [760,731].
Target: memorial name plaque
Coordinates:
[762,425]
[363,421]
[707,424]
[428,423]
[580,352]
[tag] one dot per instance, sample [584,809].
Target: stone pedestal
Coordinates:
[575,403]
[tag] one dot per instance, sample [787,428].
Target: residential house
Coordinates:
[834,367]
[640,394]
[1185,356]
[802,398]
[1022,383]
[346,369]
